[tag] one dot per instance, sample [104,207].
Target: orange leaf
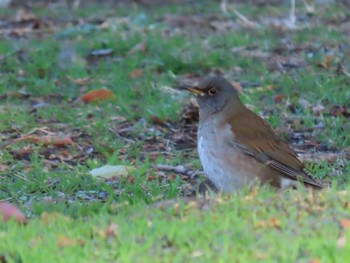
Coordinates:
[136,73]
[326,62]
[345,223]
[97,95]
[9,211]
[55,140]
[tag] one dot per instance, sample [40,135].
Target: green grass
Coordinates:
[56,180]
[257,226]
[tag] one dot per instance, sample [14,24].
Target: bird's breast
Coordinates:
[226,167]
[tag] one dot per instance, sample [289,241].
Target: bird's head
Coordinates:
[213,94]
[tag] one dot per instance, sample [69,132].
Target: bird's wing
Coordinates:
[254,137]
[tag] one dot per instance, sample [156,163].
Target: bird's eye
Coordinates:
[212,91]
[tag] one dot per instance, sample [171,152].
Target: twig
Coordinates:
[243,18]
[180,169]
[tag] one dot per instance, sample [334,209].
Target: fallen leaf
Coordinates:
[135,73]
[79,82]
[139,47]
[97,95]
[326,63]
[278,98]
[9,211]
[314,260]
[55,140]
[151,178]
[158,121]
[109,171]
[345,223]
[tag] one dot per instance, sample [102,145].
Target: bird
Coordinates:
[237,148]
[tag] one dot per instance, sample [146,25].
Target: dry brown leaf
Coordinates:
[98,95]
[279,98]
[9,211]
[136,73]
[80,81]
[151,178]
[55,140]
[326,63]
[158,121]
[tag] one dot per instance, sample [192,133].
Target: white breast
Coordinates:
[218,158]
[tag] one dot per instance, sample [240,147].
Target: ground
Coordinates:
[135,54]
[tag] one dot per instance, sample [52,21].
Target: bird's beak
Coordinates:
[194,90]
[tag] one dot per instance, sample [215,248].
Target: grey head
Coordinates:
[213,94]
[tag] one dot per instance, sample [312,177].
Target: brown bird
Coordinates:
[237,148]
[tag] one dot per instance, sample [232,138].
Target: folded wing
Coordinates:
[264,145]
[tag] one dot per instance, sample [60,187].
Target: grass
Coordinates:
[246,226]
[70,211]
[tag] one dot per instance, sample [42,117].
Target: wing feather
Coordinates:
[267,148]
